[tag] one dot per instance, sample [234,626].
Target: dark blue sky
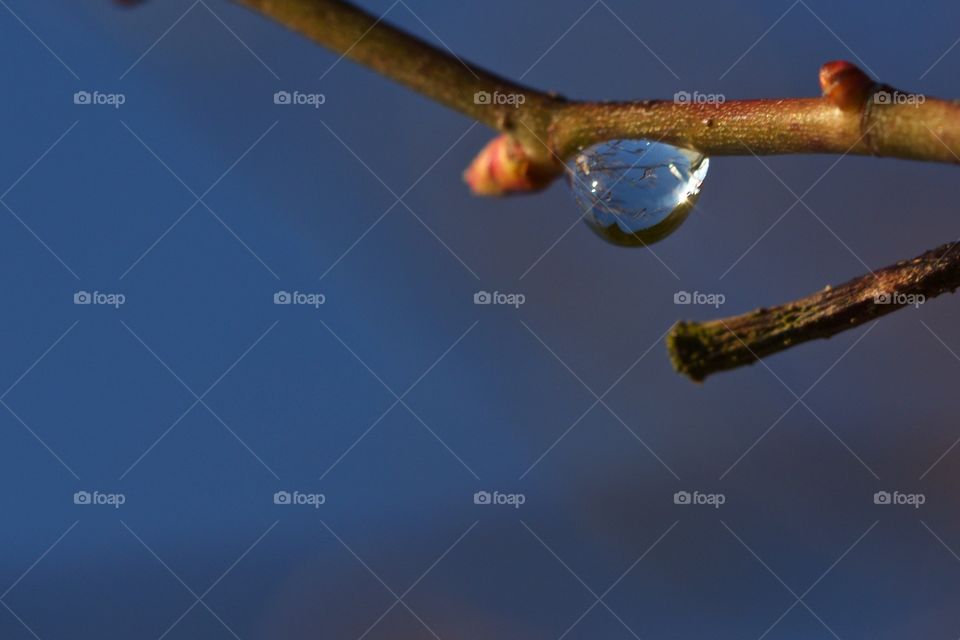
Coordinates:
[198,398]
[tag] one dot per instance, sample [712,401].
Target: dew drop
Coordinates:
[636,192]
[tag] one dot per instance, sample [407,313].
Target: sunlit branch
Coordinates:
[854,115]
[541,131]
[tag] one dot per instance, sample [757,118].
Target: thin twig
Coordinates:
[701,348]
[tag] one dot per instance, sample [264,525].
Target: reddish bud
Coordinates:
[844,84]
[503,167]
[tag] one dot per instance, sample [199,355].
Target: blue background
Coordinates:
[103,399]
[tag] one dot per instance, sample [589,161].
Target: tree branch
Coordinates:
[701,348]
[541,131]
[355,34]
[544,130]
[432,72]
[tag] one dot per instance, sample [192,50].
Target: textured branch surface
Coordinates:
[701,348]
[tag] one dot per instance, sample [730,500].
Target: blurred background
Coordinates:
[143,444]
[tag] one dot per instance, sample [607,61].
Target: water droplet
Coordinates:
[636,192]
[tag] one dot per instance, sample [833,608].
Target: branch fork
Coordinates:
[540,131]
